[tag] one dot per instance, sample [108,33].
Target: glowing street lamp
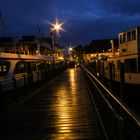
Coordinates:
[55,27]
[70,49]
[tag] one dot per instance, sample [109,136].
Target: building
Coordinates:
[100,49]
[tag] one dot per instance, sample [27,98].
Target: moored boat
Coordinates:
[29,56]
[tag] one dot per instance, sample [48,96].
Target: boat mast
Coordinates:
[1,24]
[38,30]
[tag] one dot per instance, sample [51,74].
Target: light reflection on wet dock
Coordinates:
[60,111]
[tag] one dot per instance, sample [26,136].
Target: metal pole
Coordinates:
[110,75]
[1,24]
[52,45]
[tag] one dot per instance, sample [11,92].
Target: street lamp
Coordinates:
[70,49]
[70,53]
[55,27]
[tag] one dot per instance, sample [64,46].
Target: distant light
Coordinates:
[70,49]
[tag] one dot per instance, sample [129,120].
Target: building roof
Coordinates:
[100,45]
[28,38]
[6,40]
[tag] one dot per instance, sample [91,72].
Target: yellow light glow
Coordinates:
[57,26]
[70,49]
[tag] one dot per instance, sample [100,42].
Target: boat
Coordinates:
[122,68]
[129,55]
[29,56]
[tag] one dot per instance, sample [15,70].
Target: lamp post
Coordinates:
[55,27]
[70,53]
[52,46]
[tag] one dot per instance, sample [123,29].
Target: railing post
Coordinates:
[121,129]
[37,75]
[0,87]
[14,83]
[122,81]
[1,98]
[29,79]
[25,81]
[110,75]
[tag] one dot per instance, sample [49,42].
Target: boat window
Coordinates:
[4,68]
[41,66]
[128,36]
[130,65]
[118,64]
[33,67]
[121,40]
[134,35]
[124,39]
[20,68]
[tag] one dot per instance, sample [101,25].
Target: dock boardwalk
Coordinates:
[60,111]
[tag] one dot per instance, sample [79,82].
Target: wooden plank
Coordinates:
[61,111]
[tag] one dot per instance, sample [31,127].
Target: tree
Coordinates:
[78,51]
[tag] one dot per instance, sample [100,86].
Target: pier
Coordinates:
[61,109]
[69,107]
[68,87]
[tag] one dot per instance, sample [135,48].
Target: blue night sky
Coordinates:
[84,20]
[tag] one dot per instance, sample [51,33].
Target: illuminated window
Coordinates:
[4,68]
[20,68]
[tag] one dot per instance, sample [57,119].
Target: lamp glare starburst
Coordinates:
[57,26]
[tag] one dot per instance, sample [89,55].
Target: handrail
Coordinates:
[128,110]
[116,118]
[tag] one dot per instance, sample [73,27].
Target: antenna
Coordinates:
[38,29]
[1,24]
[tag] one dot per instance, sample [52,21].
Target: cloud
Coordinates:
[84,20]
[125,7]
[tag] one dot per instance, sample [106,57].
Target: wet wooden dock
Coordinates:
[60,110]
